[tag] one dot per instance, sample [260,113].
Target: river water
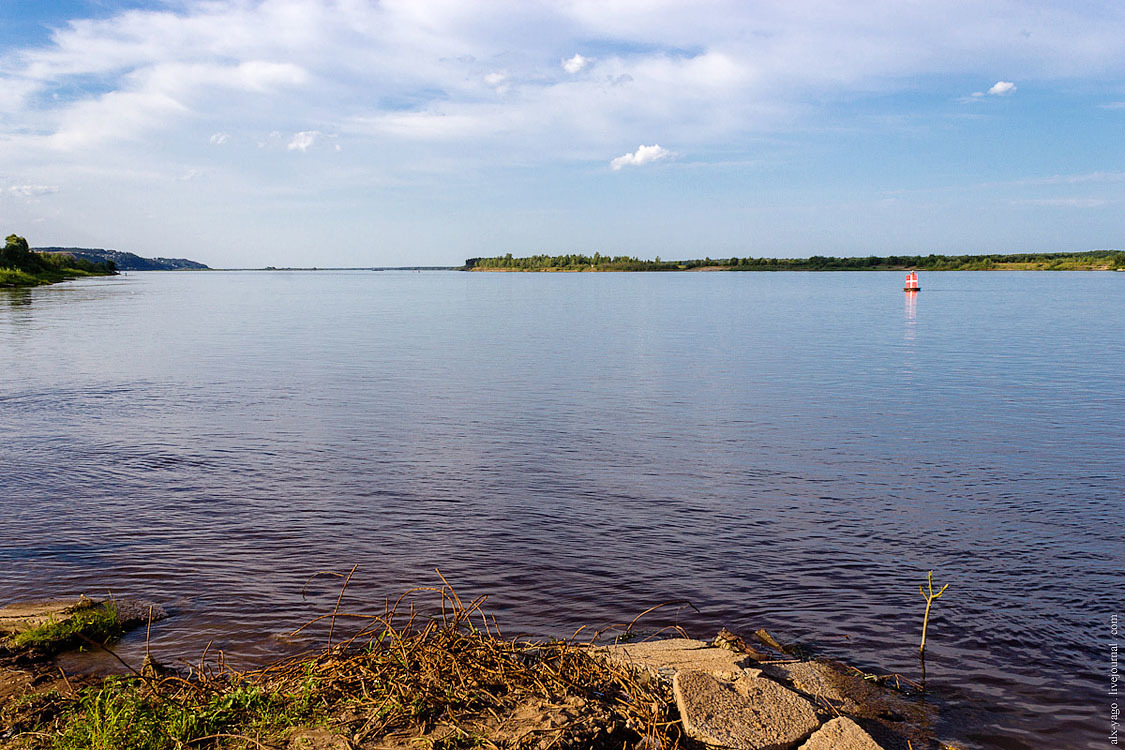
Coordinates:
[784,450]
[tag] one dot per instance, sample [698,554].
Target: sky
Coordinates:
[247,133]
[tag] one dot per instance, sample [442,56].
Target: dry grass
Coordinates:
[421,673]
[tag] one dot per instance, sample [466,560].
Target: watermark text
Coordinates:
[1114,706]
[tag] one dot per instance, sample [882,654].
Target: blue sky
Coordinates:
[347,132]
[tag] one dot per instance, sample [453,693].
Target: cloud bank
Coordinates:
[425,95]
[700,73]
[32,190]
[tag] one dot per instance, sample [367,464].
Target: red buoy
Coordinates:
[911,282]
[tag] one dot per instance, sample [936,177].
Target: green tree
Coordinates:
[17,254]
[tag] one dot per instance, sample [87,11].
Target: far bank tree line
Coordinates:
[1089,260]
[22,266]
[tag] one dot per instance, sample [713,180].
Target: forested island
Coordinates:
[22,266]
[1091,260]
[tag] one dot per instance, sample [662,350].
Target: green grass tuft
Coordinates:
[98,623]
[15,277]
[126,714]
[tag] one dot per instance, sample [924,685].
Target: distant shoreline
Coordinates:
[1092,260]
[755,270]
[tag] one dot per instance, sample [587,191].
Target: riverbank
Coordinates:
[21,266]
[1093,260]
[692,269]
[439,674]
[12,278]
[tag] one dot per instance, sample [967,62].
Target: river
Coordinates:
[784,450]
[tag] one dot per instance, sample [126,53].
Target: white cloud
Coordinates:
[117,116]
[643,155]
[303,140]
[1000,88]
[575,64]
[261,76]
[499,82]
[1068,179]
[1113,105]
[1062,202]
[218,139]
[273,138]
[423,126]
[157,97]
[33,190]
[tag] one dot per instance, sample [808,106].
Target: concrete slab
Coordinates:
[818,680]
[666,658]
[21,616]
[750,713]
[889,716]
[841,734]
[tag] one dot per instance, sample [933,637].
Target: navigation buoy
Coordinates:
[911,282]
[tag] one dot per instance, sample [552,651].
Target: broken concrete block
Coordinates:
[840,734]
[750,713]
[665,658]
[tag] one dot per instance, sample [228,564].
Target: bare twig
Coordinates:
[930,598]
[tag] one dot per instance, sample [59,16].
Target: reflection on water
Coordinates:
[911,313]
[16,297]
[582,446]
[909,334]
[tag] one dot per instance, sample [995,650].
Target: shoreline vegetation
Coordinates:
[1092,260]
[125,261]
[20,266]
[433,670]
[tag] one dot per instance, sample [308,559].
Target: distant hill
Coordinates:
[125,261]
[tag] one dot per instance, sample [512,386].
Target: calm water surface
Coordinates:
[791,451]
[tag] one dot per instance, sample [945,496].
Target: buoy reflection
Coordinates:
[908,334]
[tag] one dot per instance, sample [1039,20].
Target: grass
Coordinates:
[128,714]
[441,681]
[15,277]
[97,623]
